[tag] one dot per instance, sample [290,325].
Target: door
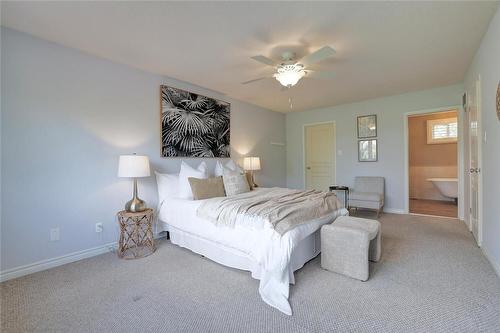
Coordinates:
[474,108]
[320,156]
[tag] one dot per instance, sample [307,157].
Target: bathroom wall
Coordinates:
[429,160]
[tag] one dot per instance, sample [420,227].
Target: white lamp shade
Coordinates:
[133,166]
[251,163]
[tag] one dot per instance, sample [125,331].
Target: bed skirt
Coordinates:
[306,250]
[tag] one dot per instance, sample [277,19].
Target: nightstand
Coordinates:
[345,189]
[136,234]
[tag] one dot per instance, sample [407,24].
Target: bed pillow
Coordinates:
[230,165]
[168,185]
[235,182]
[186,172]
[212,187]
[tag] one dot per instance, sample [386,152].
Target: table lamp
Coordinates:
[134,166]
[251,164]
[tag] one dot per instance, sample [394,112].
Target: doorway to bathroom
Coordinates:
[433,166]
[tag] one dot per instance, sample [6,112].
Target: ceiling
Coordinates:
[383,48]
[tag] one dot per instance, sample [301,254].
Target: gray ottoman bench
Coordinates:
[348,243]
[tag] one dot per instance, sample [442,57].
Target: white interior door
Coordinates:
[474,108]
[320,156]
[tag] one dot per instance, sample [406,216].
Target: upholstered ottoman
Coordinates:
[348,243]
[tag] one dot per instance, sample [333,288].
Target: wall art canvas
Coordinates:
[193,125]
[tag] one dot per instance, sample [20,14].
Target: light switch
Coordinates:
[54,234]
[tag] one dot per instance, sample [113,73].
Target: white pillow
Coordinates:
[168,185]
[230,165]
[186,172]
[235,182]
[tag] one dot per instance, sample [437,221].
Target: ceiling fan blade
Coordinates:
[254,80]
[321,54]
[319,74]
[265,60]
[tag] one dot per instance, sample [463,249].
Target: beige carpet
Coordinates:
[432,278]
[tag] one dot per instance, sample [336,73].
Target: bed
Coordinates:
[250,244]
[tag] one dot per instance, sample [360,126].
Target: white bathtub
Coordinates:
[447,186]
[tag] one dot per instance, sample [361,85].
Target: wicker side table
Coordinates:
[136,234]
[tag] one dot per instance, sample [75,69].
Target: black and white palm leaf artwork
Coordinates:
[193,125]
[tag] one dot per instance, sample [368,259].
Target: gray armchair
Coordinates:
[369,193]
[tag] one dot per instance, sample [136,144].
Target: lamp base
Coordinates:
[252,179]
[135,205]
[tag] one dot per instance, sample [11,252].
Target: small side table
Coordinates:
[345,189]
[136,234]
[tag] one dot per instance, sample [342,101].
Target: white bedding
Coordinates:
[253,237]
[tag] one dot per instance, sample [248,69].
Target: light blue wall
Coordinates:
[390,117]
[486,64]
[66,117]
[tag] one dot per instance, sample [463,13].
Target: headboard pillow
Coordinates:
[186,172]
[168,185]
[230,165]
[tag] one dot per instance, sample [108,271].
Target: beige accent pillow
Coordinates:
[235,182]
[207,188]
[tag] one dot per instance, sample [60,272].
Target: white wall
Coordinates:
[390,117]
[66,117]
[486,64]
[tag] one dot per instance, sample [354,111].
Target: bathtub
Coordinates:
[447,186]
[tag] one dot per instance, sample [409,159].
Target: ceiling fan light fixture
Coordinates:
[289,75]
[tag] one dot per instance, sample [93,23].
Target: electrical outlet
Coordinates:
[98,227]
[54,234]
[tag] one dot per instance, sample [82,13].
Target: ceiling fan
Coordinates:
[289,71]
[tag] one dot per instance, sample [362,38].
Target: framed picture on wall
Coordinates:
[193,125]
[367,126]
[367,150]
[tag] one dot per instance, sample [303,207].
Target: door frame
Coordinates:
[460,155]
[477,87]
[304,177]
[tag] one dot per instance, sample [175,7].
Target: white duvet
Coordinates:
[255,238]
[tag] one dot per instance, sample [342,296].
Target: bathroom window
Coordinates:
[442,131]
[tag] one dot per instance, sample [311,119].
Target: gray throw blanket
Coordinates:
[283,208]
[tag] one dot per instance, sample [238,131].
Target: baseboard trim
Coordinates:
[436,216]
[466,225]
[496,266]
[43,265]
[394,211]
[54,262]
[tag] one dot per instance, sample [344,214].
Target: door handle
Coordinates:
[472,170]
[308,168]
